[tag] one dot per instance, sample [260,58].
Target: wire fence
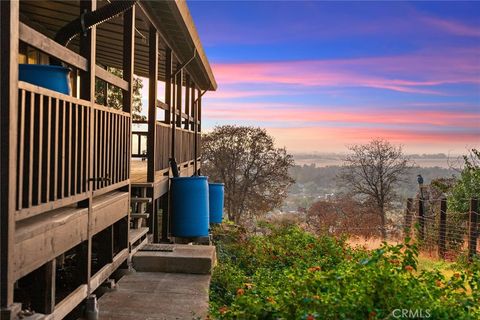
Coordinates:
[440,232]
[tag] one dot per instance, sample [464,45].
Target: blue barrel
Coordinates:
[216,193]
[51,77]
[190,207]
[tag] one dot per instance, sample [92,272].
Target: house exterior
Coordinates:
[76,198]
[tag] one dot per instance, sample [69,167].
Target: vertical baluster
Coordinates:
[21,149]
[82,139]
[46,164]
[69,107]
[108,148]
[75,151]
[62,157]
[30,149]
[39,185]
[56,161]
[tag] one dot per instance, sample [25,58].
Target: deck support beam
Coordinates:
[9,33]
[152,103]
[87,92]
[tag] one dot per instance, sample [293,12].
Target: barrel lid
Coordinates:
[43,67]
[190,178]
[216,183]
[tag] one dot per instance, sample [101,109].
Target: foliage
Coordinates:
[372,171]
[343,215]
[255,173]
[468,184]
[115,94]
[292,274]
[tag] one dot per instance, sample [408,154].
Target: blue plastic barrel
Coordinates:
[190,206]
[216,193]
[51,77]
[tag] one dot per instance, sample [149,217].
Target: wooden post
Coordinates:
[43,288]
[178,100]
[187,102]
[128,56]
[442,231]
[152,103]
[473,229]
[168,83]
[408,216]
[192,108]
[9,24]
[421,219]
[164,201]
[87,92]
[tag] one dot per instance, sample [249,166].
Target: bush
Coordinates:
[292,274]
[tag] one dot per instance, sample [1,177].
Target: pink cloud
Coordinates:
[286,113]
[336,139]
[452,27]
[427,68]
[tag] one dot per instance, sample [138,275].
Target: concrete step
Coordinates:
[193,259]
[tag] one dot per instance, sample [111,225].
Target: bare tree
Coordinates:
[373,171]
[255,173]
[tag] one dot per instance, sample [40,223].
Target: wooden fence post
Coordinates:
[421,219]
[408,216]
[473,234]
[442,234]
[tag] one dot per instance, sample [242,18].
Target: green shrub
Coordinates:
[292,274]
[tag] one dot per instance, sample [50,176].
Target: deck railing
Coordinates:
[163,145]
[111,147]
[55,148]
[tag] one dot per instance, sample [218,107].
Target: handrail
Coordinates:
[52,48]
[107,76]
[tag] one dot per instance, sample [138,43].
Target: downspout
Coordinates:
[87,20]
[173,161]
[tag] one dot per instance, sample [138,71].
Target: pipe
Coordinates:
[89,19]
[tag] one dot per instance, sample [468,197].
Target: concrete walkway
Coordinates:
[157,296]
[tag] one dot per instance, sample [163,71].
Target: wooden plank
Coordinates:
[48,206]
[152,103]
[108,269]
[49,46]
[69,303]
[162,105]
[112,187]
[46,236]
[107,76]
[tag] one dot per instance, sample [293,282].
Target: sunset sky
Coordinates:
[321,75]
